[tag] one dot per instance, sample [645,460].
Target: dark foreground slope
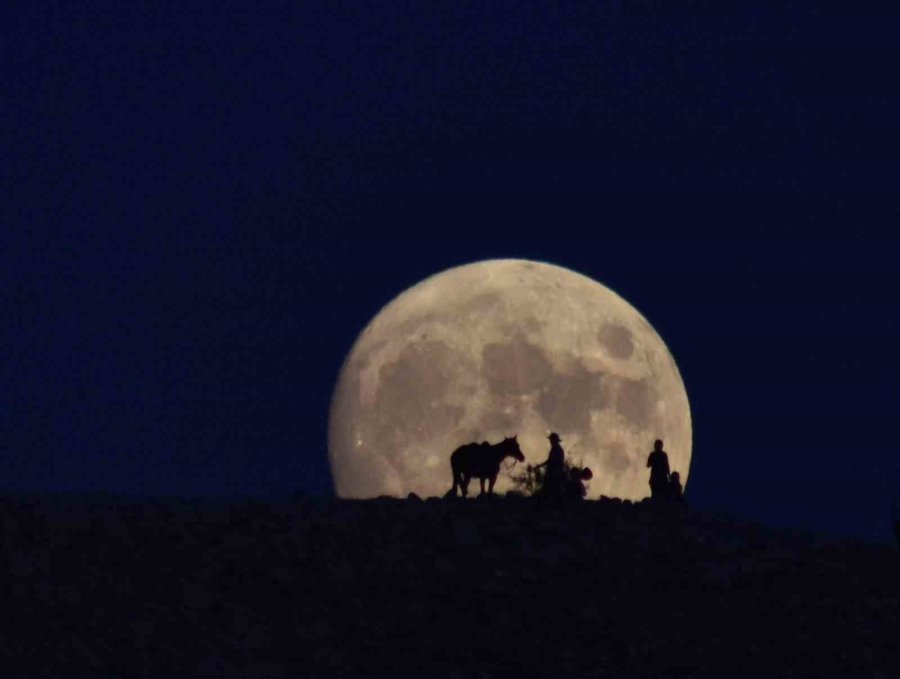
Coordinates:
[440,589]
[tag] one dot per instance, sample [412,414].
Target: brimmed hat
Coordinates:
[554,437]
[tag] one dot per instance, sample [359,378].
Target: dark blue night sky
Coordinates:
[204,203]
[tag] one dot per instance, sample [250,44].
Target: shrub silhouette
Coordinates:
[530,482]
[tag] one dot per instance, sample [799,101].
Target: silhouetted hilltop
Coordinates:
[104,586]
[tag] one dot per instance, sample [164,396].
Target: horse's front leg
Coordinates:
[491,483]
[481,480]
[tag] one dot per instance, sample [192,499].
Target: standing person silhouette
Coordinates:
[554,477]
[659,471]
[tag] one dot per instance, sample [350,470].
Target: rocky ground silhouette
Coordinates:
[103,586]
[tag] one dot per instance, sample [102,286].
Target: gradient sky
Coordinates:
[203,205]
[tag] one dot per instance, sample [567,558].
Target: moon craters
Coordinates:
[617,457]
[567,399]
[617,340]
[516,367]
[636,402]
[413,392]
[498,348]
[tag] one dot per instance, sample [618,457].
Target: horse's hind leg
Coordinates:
[452,491]
[464,485]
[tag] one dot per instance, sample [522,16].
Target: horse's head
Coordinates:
[511,448]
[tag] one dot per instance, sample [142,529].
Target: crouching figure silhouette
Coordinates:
[676,491]
[481,460]
[575,488]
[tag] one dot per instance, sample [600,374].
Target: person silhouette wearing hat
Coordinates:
[659,471]
[555,475]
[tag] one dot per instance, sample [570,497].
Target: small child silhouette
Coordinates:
[676,492]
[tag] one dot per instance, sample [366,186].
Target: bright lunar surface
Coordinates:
[498,348]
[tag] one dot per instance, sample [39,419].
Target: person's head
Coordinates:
[658,445]
[676,479]
[554,437]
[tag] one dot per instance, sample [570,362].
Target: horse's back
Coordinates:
[464,453]
[474,459]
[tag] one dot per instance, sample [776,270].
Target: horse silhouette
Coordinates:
[481,460]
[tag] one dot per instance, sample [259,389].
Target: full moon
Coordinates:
[502,347]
